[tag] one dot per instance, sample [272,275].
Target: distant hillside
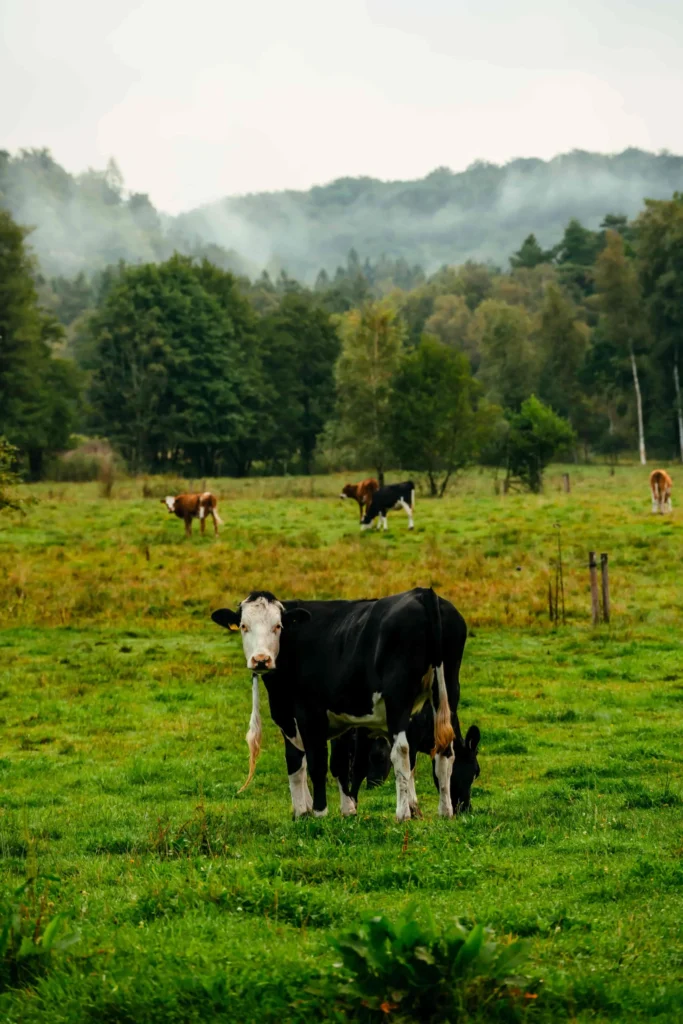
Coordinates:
[86,222]
[482,213]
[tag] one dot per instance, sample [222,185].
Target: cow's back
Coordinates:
[352,648]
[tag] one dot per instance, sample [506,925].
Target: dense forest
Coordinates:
[184,365]
[88,221]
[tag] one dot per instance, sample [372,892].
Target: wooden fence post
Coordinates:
[595,604]
[565,481]
[605,587]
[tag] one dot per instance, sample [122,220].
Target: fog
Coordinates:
[83,223]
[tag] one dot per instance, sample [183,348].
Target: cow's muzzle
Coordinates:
[261,662]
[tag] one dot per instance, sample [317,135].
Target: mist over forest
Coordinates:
[88,221]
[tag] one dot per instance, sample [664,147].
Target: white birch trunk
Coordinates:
[679,411]
[639,407]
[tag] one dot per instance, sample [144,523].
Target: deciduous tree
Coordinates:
[509,363]
[660,252]
[439,421]
[620,302]
[372,339]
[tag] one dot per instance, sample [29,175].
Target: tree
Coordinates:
[372,340]
[301,344]
[451,323]
[660,252]
[509,365]
[535,436]
[39,394]
[438,419]
[575,256]
[620,302]
[530,254]
[177,378]
[415,308]
[564,341]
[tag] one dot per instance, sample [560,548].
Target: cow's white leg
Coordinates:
[412,797]
[348,804]
[384,522]
[302,801]
[443,767]
[655,504]
[668,507]
[404,505]
[400,758]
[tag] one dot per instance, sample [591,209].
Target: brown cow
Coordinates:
[194,506]
[363,493]
[660,485]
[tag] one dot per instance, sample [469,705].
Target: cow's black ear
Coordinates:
[473,739]
[295,617]
[227,618]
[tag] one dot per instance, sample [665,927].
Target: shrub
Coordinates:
[8,478]
[430,975]
[91,460]
[536,436]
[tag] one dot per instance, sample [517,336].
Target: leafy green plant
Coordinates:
[8,478]
[536,435]
[429,974]
[28,938]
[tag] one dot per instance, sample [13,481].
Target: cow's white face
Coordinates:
[261,626]
[260,619]
[170,503]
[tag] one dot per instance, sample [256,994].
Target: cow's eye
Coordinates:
[245,629]
[277,629]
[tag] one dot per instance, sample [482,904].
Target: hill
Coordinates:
[482,213]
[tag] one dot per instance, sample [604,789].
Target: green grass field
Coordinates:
[123,711]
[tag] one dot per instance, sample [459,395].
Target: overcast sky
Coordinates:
[204,98]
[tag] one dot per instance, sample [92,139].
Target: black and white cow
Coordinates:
[369,757]
[393,496]
[329,666]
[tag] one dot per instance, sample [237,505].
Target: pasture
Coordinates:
[122,718]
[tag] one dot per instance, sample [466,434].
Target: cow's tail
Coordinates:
[443,728]
[253,736]
[217,517]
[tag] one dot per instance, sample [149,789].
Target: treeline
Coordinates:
[185,367]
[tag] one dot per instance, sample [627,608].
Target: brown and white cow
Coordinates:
[362,492]
[660,485]
[194,506]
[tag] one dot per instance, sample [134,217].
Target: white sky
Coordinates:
[197,99]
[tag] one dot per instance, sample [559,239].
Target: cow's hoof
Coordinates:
[348,807]
[403,816]
[415,811]
[320,814]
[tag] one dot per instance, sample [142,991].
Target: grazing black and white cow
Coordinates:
[369,757]
[393,496]
[329,666]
